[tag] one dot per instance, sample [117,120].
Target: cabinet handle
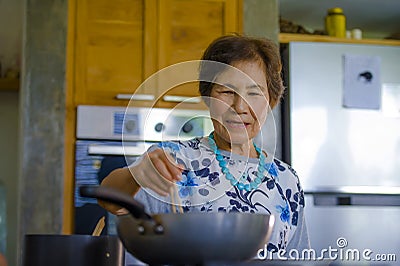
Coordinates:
[178,99]
[136,97]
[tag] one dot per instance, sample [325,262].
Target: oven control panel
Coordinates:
[138,124]
[125,123]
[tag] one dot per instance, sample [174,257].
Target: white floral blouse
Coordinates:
[204,188]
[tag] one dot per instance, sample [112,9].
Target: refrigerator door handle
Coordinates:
[324,199]
[331,200]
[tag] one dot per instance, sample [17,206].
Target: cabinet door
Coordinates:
[187,27]
[112,38]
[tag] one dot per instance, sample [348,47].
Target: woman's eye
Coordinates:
[254,93]
[228,92]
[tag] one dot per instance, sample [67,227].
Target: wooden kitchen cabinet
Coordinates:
[8,84]
[118,44]
[186,28]
[112,39]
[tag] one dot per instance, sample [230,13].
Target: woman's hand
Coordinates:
[157,170]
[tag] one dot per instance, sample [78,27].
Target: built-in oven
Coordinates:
[112,137]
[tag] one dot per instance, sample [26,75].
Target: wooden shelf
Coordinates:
[291,37]
[9,84]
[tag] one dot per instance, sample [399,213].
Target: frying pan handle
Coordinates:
[135,208]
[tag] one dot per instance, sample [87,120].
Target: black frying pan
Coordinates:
[189,238]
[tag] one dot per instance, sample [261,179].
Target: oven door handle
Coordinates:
[117,150]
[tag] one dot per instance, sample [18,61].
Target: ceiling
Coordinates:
[376,18]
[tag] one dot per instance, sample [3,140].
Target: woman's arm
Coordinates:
[300,240]
[122,180]
[155,170]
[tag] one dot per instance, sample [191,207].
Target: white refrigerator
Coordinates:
[341,126]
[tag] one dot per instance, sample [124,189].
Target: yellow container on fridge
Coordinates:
[335,22]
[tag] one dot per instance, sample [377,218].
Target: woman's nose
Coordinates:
[239,104]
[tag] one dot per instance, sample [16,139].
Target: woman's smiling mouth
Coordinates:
[236,124]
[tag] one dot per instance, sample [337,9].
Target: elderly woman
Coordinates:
[226,171]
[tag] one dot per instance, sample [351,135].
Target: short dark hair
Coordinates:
[230,49]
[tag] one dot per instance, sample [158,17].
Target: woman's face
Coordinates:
[239,102]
